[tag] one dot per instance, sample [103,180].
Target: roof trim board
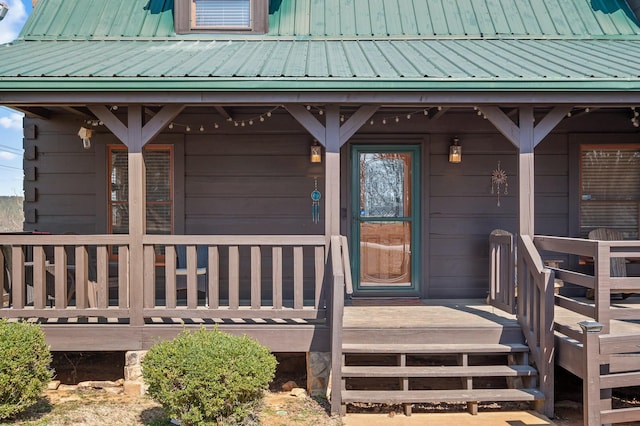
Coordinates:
[240,84]
[418,99]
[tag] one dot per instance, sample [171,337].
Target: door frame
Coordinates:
[415,150]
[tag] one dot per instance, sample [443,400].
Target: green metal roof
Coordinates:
[322,45]
[105,19]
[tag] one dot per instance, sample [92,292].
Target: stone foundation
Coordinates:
[133,381]
[318,369]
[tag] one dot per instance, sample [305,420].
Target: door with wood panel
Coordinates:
[385,209]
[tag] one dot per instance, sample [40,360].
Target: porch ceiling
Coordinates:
[451,65]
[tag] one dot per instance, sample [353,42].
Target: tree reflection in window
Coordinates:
[384,180]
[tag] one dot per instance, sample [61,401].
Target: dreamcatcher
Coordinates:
[315,202]
[499,182]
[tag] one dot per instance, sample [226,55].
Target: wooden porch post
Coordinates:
[332,136]
[332,171]
[135,135]
[525,137]
[526,173]
[137,214]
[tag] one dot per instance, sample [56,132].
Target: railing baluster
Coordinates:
[149,276]
[214,277]
[256,278]
[319,269]
[170,275]
[277,277]
[192,277]
[39,278]
[298,278]
[82,276]
[102,271]
[60,261]
[234,277]
[18,282]
[123,277]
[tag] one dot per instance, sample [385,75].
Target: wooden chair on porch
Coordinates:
[618,264]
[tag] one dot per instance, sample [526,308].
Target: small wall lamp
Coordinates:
[316,152]
[455,151]
[85,135]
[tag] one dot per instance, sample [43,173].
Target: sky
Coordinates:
[11,121]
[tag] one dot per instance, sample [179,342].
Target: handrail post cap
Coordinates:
[591,326]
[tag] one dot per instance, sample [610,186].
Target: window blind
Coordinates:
[223,13]
[159,202]
[610,189]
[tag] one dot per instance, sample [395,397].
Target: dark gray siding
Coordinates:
[60,178]
[258,179]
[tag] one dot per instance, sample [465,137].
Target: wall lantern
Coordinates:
[316,152]
[4,8]
[455,151]
[85,135]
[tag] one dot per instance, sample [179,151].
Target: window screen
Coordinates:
[159,201]
[610,188]
[223,13]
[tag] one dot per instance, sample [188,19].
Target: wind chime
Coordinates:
[315,202]
[499,182]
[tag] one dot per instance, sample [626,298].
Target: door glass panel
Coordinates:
[385,219]
[384,184]
[385,253]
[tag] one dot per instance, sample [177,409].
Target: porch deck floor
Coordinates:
[440,313]
[456,313]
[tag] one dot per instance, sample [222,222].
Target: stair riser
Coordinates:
[434,336]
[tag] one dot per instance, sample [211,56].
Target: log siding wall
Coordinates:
[258,179]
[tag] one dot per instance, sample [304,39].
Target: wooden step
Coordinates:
[440,371]
[495,348]
[456,395]
[434,335]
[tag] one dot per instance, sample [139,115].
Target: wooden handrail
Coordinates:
[338,282]
[601,280]
[536,314]
[240,240]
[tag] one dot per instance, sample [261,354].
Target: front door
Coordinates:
[386,211]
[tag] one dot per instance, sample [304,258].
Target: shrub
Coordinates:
[208,376]
[24,366]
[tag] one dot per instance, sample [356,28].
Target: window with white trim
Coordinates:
[221,16]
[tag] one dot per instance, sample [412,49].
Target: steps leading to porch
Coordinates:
[433,373]
[492,365]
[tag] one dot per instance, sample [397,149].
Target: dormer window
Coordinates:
[221,16]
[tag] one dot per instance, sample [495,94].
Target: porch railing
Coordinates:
[340,284]
[601,281]
[248,277]
[603,360]
[536,316]
[242,276]
[64,276]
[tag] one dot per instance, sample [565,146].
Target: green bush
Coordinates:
[24,366]
[206,377]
